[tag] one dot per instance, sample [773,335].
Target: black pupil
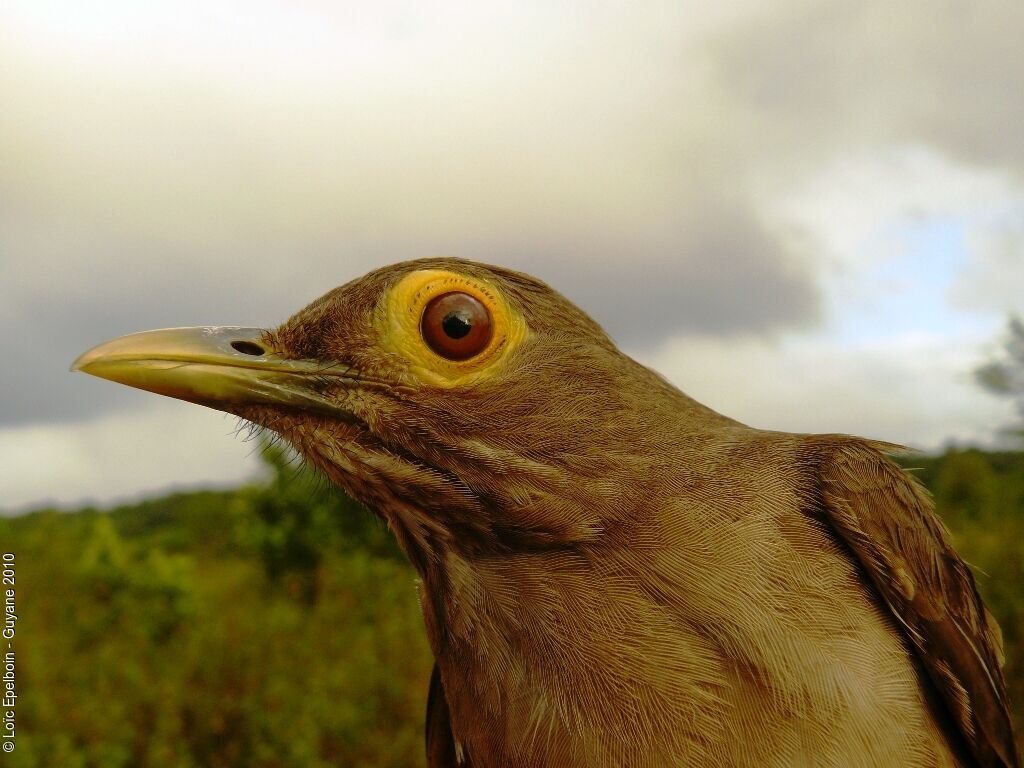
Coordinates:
[457,324]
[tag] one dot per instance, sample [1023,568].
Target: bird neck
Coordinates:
[531,646]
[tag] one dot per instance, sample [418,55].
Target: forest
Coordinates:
[277,624]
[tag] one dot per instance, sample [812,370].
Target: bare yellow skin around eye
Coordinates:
[399,322]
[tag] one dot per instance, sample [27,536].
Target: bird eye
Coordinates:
[456,326]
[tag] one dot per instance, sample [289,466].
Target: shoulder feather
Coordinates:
[886,520]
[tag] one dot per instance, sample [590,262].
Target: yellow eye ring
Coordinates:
[402,327]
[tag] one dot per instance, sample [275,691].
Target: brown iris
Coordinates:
[456,326]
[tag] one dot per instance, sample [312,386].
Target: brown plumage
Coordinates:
[612,574]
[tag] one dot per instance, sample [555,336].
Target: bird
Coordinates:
[611,573]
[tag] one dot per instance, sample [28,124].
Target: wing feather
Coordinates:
[440,742]
[887,521]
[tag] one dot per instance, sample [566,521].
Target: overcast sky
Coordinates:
[809,215]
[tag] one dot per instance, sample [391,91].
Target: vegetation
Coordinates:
[980,496]
[1003,375]
[277,625]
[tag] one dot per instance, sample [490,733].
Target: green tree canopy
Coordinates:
[1004,374]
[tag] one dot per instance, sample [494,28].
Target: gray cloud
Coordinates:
[101,299]
[725,275]
[995,279]
[622,161]
[726,285]
[813,78]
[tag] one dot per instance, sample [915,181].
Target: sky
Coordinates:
[808,215]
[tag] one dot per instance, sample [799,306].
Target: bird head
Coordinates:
[473,407]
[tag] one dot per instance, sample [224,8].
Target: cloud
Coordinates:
[813,78]
[744,174]
[995,279]
[908,219]
[303,145]
[912,389]
[161,173]
[160,445]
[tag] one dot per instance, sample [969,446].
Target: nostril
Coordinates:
[248,348]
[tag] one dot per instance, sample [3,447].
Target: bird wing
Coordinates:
[887,521]
[440,742]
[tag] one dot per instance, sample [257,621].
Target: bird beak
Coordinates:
[218,367]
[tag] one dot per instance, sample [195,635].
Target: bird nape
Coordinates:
[611,573]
